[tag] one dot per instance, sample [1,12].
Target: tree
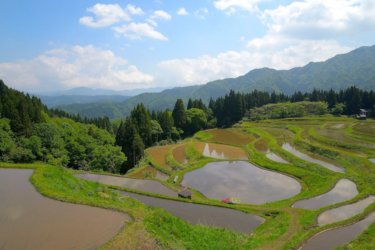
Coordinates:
[196,120]
[130,142]
[142,120]
[338,109]
[179,114]
[108,158]
[156,130]
[166,123]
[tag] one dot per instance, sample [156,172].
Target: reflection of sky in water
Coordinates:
[372,159]
[291,149]
[345,212]
[275,157]
[241,179]
[343,190]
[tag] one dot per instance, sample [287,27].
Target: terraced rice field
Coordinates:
[327,209]
[179,154]
[159,156]
[147,172]
[230,136]
[220,151]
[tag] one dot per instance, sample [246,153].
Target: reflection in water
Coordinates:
[29,220]
[345,212]
[292,150]
[137,184]
[274,157]
[241,179]
[372,160]
[343,190]
[336,237]
[212,153]
[203,214]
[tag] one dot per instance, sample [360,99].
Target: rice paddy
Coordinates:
[290,221]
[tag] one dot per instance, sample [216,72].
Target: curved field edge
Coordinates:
[150,228]
[284,228]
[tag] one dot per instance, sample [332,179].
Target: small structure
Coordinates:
[185,193]
[363,113]
[232,200]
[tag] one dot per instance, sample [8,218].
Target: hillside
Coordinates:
[355,68]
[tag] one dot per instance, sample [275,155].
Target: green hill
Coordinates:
[356,68]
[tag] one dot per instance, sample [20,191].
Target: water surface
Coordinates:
[242,180]
[274,157]
[220,151]
[345,212]
[29,220]
[137,184]
[372,160]
[293,150]
[343,190]
[203,214]
[337,237]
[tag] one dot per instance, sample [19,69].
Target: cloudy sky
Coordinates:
[52,45]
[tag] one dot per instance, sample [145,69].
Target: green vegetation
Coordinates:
[287,109]
[59,141]
[342,71]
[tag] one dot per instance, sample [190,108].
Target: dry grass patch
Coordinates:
[159,155]
[230,136]
[179,154]
[143,172]
[261,145]
[220,151]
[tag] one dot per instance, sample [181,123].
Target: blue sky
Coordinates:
[51,45]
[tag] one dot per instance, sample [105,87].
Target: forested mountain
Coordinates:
[31,132]
[355,68]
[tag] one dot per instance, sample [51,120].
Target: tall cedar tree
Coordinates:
[179,114]
[131,144]
[142,120]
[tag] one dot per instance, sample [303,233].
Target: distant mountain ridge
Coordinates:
[356,68]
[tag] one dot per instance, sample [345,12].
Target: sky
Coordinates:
[55,45]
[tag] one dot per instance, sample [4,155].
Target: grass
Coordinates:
[284,227]
[230,136]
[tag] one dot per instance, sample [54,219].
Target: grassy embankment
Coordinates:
[285,227]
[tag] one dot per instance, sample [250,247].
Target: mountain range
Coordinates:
[356,68]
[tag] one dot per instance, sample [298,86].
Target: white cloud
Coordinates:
[182,12]
[230,6]
[105,15]
[235,63]
[321,19]
[298,33]
[134,10]
[73,67]
[161,14]
[139,31]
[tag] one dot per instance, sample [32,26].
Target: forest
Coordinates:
[29,131]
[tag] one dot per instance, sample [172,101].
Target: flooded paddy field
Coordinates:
[220,151]
[336,237]
[203,214]
[29,220]
[345,212]
[137,184]
[240,179]
[344,190]
[303,156]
